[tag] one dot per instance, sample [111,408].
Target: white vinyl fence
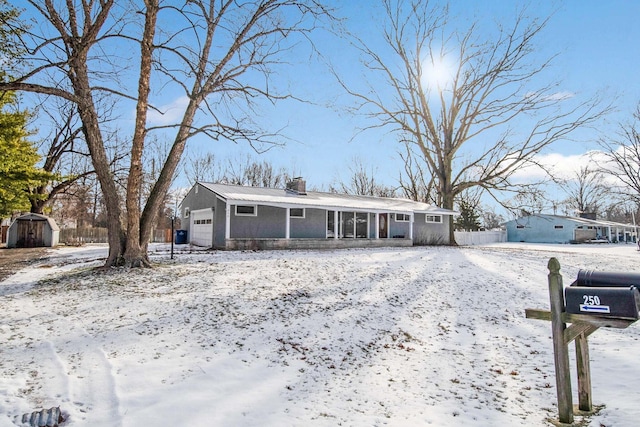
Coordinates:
[480,237]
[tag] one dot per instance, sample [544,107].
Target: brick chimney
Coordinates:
[588,215]
[297,186]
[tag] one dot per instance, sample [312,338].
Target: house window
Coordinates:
[246,210]
[203,221]
[186,213]
[362,221]
[347,224]
[402,217]
[296,212]
[434,218]
[331,224]
[558,227]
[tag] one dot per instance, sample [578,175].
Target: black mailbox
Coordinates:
[605,294]
[607,279]
[603,301]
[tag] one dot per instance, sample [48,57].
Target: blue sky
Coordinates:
[598,51]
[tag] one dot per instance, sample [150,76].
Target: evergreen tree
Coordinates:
[469,218]
[18,171]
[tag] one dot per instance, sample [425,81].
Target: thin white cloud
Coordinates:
[560,96]
[563,166]
[169,113]
[557,96]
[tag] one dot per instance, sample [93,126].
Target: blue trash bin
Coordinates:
[181,237]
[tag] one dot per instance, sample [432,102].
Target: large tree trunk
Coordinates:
[135,254]
[116,234]
[95,143]
[38,204]
[448,203]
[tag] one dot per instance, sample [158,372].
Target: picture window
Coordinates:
[434,218]
[296,212]
[246,210]
[402,217]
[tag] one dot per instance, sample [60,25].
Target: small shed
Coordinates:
[33,230]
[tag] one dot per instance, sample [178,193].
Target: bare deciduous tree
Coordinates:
[622,158]
[586,192]
[64,154]
[363,182]
[490,218]
[237,170]
[417,182]
[492,114]
[200,167]
[253,173]
[217,55]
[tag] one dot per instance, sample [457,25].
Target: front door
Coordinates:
[383,227]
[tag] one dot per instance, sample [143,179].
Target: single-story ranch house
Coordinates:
[543,228]
[236,217]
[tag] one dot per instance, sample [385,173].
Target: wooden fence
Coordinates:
[80,236]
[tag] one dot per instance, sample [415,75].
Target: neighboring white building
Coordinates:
[543,228]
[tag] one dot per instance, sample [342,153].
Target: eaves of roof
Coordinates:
[585,221]
[282,198]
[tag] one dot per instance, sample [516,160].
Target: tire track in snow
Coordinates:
[91,383]
[69,369]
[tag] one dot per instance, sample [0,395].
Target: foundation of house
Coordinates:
[271,244]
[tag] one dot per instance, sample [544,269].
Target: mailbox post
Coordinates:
[560,349]
[594,300]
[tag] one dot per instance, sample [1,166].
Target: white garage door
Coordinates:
[201,227]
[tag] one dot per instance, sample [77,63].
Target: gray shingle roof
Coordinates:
[279,197]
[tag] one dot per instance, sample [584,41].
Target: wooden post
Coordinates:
[173,218]
[582,326]
[560,348]
[584,373]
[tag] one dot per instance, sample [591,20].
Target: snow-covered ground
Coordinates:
[368,337]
